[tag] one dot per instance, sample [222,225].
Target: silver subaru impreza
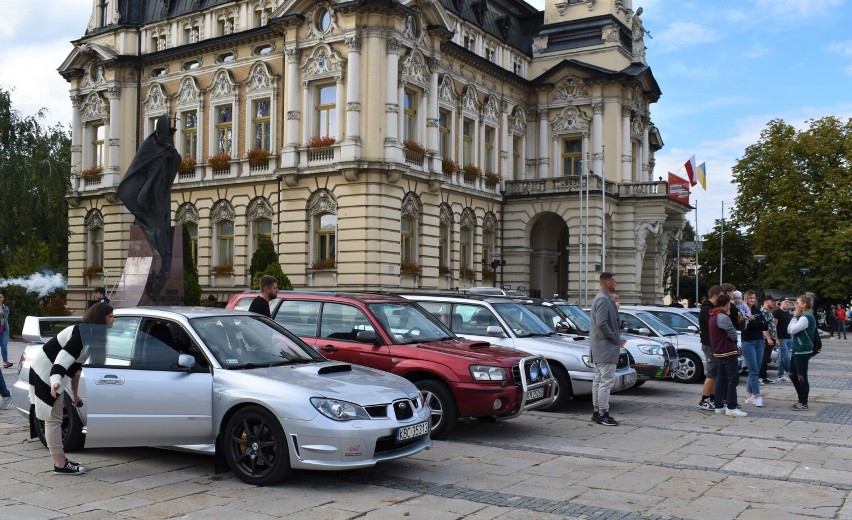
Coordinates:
[232,384]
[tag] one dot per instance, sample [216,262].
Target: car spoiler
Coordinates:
[39,329]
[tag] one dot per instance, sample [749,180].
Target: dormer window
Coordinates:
[103,13]
[191,65]
[157,72]
[263,50]
[227,57]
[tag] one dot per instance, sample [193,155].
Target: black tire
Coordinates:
[639,382]
[690,370]
[564,390]
[256,448]
[73,437]
[444,411]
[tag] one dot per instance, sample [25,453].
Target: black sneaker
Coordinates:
[606,420]
[707,404]
[72,463]
[767,381]
[595,417]
[68,469]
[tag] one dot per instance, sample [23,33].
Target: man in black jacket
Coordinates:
[268,292]
[709,388]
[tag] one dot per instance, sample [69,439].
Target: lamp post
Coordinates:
[760,259]
[804,271]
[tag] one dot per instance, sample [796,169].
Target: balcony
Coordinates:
[571,185]
[320,155]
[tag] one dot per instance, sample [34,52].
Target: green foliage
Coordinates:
[737,257]
[275,270]
[795,188]
[191,287]
[35,176]
[23,303]
[263,256]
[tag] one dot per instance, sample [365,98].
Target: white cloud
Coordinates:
[796,9]
[678,35]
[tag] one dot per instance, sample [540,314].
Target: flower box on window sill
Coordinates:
[466,273]
[94,270]
[471,173]
[324,141]
[220,162]
[325,264]
[411,268]
[226,269]
[492,179]
[93,171]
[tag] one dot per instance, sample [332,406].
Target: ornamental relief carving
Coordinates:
[259,209]
[570,120]
[411,206]
[446,215]
[353,106]
[293,115]
[189,91]
[468,219]
[489,223]
[260,78]
[641,230]
[94,220]
[156,99]
[323,62]
[322,202]
[186,213]
[222,211]
[414,69]
[491,112]
[470,101]
[518,120]
[572,89]
[223,84]
[95,107]
[447,91]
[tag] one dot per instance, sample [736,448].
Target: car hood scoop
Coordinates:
[334,369]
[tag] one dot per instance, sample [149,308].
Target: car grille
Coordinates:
[623,360]
[389,444]
[402,409]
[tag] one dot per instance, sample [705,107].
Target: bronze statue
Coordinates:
[146,190]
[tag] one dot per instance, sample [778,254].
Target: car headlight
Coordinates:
[539,370]
[486,373]
[339,410]
[651,350]
[587,362]
[545,369]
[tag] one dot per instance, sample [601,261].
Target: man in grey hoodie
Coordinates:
[605,347]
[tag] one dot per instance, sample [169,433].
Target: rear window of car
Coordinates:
[299,317]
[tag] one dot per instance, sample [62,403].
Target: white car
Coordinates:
[505,322]
[233,384]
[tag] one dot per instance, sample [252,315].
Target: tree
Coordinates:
[735,255]
[265,261]
[34,180]
[795,189]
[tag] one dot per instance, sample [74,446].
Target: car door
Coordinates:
[340,324]
[136,395]
[301,317]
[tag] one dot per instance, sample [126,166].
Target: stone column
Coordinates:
[646,152]
[289,155]
[543,134]
[114,95]
[597,136]
[392,152]
[76,135]
[350,149]
[504,139]
[626,145]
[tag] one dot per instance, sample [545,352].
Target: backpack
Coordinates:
[817,347]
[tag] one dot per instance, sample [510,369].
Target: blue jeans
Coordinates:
[4,390]
[753,354]
[785,348]
[4,344]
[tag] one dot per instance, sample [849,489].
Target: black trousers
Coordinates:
[799,375]
[727,379]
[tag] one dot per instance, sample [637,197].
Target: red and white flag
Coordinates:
[690,171]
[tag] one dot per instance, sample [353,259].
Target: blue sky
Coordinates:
[726,68]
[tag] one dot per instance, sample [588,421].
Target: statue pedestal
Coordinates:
[139,285]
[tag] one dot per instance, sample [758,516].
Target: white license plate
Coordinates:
[415,430]
[537,393]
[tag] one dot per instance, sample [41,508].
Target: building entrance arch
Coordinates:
[549,260]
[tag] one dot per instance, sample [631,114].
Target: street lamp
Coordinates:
[759,258]
[804,271]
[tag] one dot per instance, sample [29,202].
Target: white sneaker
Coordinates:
[6,403]
[736,412]
[757,401]
[783,379]
[720,411]
[749,400]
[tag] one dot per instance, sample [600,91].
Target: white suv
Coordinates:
[502,321]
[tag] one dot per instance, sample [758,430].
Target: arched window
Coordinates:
[322,210]
[465,247]
[444,230]
[94,241]
[222,218]
[408,228]
[192,231]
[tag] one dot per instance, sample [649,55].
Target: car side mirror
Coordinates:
[186,361]
[366,336]
[644,331]
[692,328]
[494,330]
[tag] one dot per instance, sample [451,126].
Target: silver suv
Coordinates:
[505,322]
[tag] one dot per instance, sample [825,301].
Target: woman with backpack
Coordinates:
[803,329]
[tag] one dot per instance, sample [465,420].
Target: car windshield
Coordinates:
[579,318]
[240,341]
[408,323]
[656,324]
[523,322]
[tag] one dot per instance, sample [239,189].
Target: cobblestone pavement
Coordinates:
[667,459]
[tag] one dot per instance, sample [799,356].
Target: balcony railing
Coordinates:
[320,155]
[414,158]
[573,185]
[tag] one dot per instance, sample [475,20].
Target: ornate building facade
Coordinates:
[432,144]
